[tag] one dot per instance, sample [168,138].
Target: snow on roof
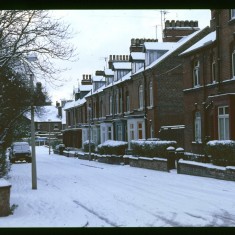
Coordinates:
[122,65]
[85,87]
[4,183]
[138,56]
[124,78]
[207,40]
[175,47]
[45,113]
[108,72]
[75,103]
[98,78]
[159,45]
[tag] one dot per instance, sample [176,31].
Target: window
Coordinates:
[141,97]
[233,63]
[232,13]
[127,102]
[223,122]
[56,126]
[110,104]
[213,71]
[101,109]
[135,66]
[151,94]
[132,131]
[119,132]
[197,127]
[196,73]
[140,130]
[38,126]
[120,101]
[109,133]
[116,103]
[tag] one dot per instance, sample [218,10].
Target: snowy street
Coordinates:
[80,193]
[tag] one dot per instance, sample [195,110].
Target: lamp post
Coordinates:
[34,168]
[89,130]
[49,120]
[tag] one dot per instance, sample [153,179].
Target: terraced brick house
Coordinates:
[209,83]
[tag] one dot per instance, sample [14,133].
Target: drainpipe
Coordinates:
[145,102]
[218,48]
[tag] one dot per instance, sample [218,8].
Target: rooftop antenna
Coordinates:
[106,61]
[163,18]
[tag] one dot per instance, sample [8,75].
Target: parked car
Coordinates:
[20,151]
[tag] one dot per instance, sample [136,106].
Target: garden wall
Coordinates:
[159,164]
[206,170]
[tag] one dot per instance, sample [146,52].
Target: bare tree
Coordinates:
[23,32]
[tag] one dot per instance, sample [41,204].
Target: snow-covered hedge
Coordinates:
[151,148]
[86,146]
[222,152]
[113,147]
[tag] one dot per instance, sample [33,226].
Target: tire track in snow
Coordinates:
[96,214]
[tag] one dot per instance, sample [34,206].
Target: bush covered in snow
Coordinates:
[113,147]
[86,146]
[151,148]
[222,152]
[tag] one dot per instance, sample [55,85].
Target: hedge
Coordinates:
[222,152]
[151,148]
[86,146]
[113,147]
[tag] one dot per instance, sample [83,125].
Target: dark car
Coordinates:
[20,151]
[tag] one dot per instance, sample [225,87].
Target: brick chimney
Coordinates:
[175,30]
[117,58]
[137,44]
[86,79]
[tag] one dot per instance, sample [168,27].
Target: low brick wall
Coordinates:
[206,170]
[159,164]
[4,198]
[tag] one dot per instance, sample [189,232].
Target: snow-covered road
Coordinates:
[77,193]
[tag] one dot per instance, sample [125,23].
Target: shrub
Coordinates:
[113,147]
[86,146]
[151,148]
[222,152]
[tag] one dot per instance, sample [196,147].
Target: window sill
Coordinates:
[231,21]
[196,142]
[150,107]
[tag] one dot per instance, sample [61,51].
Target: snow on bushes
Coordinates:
[222,152]
[86,146]
[113,147]
[151,148]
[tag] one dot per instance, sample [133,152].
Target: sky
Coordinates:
[100,33]
[79,193]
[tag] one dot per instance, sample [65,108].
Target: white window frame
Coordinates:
[151,94]
[119,132]
[117,102]
[196,73]
[106,132]
[110,104]
[141,97]
[233,64]
[133,129]
[232,13]
[223,123]
[198,127]
[213,70]
[128,103]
